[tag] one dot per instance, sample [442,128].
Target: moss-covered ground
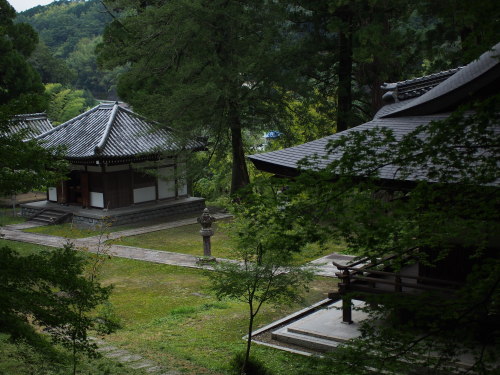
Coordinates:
[170,316]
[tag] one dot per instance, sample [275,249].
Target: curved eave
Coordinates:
[276,169]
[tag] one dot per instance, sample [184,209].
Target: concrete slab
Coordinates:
[322,330]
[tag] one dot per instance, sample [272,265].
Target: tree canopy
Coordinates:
[21,89]
[69,32]
[446,217]
[208,67]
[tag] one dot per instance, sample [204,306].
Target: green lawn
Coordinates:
[187,240]
[170,317]
[6,217]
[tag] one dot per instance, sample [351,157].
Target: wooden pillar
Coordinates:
[84,188]
[62,192]
[176,179]
[131,192]
[397,286]
[346,310]
[345,281]
[156,181]
[105,187]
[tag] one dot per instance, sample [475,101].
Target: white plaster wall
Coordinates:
[97,199]
[52,194]
[144,194]
[166,182]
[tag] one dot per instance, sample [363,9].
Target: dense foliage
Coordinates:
[209,68]
[24,165]
[21,89]
[265,243]
[445,216]
[66,103]
[69,32]
[54,291]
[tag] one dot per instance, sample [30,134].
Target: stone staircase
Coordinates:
[51,216]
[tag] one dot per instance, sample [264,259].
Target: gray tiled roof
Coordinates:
[109,131]
[33,123]
[288,158]
[456,88]
[412,88]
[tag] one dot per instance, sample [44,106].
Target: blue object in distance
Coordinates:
[273,134]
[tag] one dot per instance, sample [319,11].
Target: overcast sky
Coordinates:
[20,5]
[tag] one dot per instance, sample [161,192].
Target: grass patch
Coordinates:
[23,248]
[187,240]
[19,358]
[7,217]
[66,230]
[170,317]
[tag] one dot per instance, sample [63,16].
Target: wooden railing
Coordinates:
[349,274]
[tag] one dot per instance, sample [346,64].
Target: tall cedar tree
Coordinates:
[211,68]
[24,165]
[350,48]
[21,90]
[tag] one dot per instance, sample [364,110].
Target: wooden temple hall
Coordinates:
[119,162]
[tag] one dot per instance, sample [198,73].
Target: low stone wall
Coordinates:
[132,216]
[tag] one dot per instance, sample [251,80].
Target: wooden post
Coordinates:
[398,287]
[345,281]
[84,188]
[346,310]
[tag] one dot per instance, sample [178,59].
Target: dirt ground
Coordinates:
[23,198]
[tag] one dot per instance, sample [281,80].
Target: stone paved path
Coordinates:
[14,233]
[25,225]
[131,360]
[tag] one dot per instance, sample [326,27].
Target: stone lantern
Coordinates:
[206,232]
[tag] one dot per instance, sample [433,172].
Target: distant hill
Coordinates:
[62,24]
[69,30]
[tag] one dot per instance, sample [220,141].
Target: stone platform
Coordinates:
[88,217]
[322,330]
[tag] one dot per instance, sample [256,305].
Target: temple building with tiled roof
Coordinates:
[409,104]
[33,124]
[109,148]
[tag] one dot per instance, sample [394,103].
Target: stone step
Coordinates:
[49,216]
[318,335]
[305,341]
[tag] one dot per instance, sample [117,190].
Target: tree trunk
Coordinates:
[240,176]
[344,99]
[249,344]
